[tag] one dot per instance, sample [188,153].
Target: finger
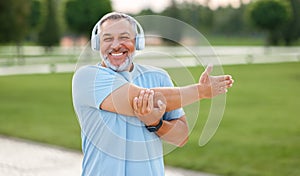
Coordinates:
[158,96]
[145,101]
[228,77]
[150,101]
[222,85]
[229,83]
[140,100]
[135,102]
[206,73]
[220,78]
[162,106]
[209,68]
[225,83]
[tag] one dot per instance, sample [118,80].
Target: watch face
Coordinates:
[152,128]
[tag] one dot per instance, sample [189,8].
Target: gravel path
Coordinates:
[19,157]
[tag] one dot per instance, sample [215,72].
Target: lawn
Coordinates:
[259,134]
[260,130]
[39,107]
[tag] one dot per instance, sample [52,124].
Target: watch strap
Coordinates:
[156,127]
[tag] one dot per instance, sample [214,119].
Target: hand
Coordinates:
[149,107]
[211,86]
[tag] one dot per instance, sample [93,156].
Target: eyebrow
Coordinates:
[108,34]
[125,33]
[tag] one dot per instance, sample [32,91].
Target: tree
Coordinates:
[35,19]
[14,20]
[81,16]
[198,16]
[14,23]
[291,31]
[270,15]
[49,34]
[175,36]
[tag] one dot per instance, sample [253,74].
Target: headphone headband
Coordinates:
[139,37]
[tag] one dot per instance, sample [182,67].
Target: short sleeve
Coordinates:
[92,84]
[106,82]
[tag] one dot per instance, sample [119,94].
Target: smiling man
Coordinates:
[117,44]
[125,109]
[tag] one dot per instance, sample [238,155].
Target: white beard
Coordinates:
[123,67]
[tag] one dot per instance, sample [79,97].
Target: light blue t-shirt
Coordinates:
[114,144]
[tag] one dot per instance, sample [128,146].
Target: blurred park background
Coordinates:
[257,41]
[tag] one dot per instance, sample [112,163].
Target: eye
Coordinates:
[107,39]
[125,37]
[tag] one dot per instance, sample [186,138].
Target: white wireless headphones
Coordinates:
[139,38]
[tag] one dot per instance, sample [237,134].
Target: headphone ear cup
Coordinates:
[95,43]
[97,39]
[139,42]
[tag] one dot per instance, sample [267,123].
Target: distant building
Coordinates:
[70,41]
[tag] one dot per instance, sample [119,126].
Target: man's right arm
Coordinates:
[120,101]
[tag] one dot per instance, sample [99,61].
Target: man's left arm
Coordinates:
[150,107]
[174,131]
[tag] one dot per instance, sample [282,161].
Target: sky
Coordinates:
[134,6]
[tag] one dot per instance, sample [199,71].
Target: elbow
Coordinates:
[184,137]
[183,142]
[177,134]
[178,141]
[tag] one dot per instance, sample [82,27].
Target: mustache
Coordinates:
[121,50]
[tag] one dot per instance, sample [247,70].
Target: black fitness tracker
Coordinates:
[155,128]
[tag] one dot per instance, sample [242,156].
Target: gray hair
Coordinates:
[116,16]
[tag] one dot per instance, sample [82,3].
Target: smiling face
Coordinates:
[117,44]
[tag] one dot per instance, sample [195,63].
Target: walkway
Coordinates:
[19,157]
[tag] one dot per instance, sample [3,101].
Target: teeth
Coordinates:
[116,54]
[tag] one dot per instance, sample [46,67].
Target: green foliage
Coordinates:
[225,21]
[14,20]
[35,20]
[270,15]
[49,35]
[234,22]
[201,18]
[146,12]
[231,21]
[35,15]
[81,16]
[291,31]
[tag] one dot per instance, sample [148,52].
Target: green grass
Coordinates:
[39,107]
[258,136]
[260,130]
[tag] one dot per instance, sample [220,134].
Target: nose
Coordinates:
[115,44]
